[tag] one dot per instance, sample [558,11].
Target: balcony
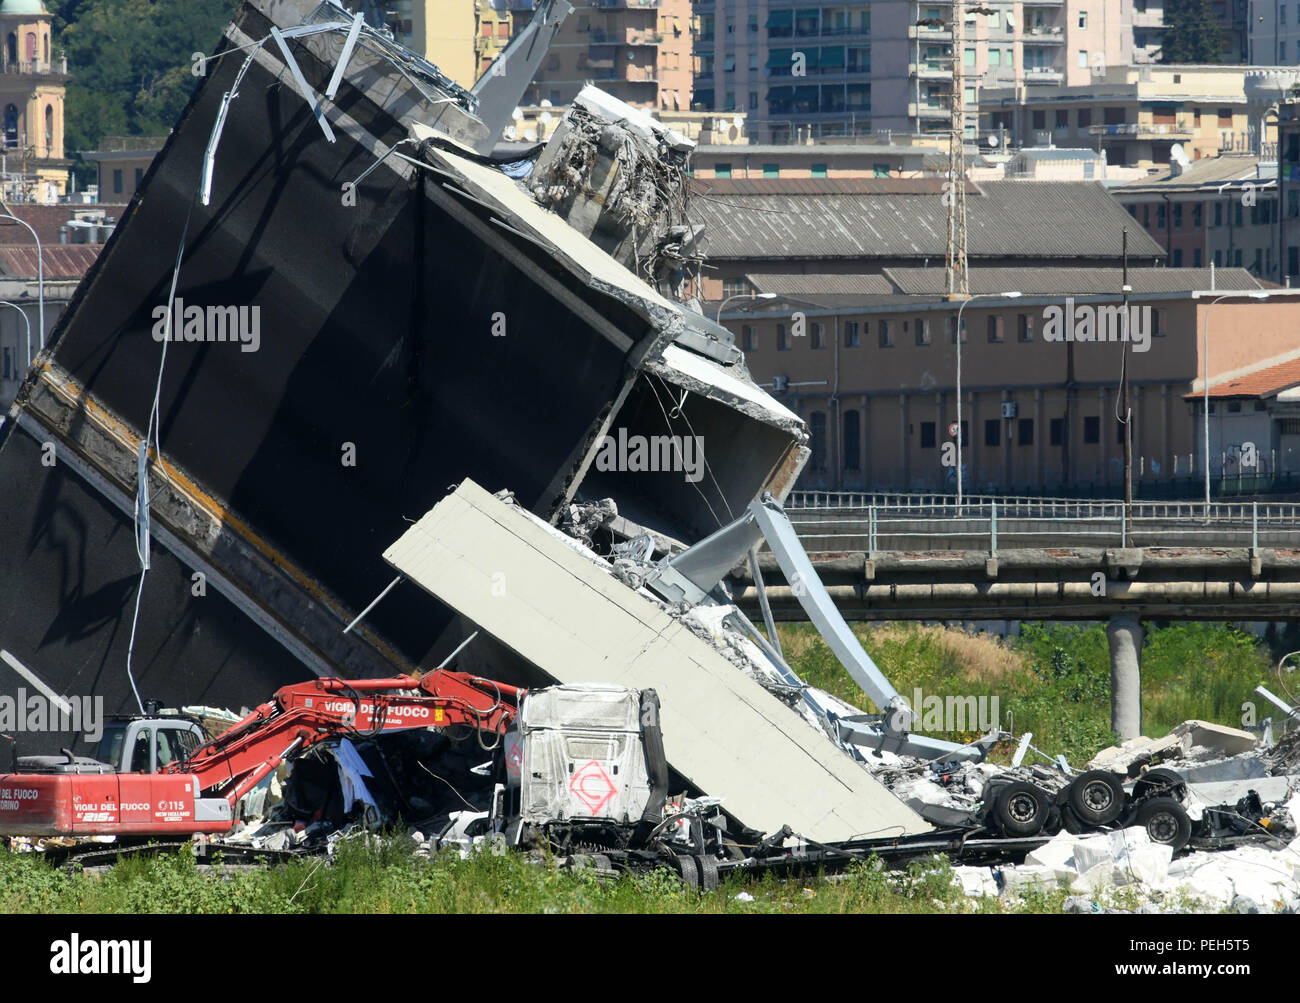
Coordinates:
[37,67]
[928,110]
[1044,35]
[627,36]
[1043,75]
[1139,131]
[929,71]
[928,34]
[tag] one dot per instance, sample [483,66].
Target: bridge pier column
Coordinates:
[1124,636]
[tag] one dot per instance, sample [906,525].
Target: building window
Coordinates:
[1158,324]
[748,342]
[1025,432]
[117,181]
[927,435]
[852,440]
[139,176]
[1062,118]
[1178,215]
[922,332]
[1092,429]
[1085,117]
[1056,431]
[722,170]
[782,338]
[736,287]
[1083,58]
[1083,19]
[851,334]
[1024,327]
[993,432]
[884,337]
[1225,118]
[10,371]
[994,324]
[1178,257]
[1198,217]
[815,336]
[880,170]
[1040,119]
[819,170]
[771,170]
[817,440]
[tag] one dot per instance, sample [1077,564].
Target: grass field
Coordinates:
[1053,680]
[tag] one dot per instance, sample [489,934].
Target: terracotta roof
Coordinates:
[47,219]
[61,261]
[1261,383]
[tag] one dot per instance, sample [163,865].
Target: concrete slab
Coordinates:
[576,622]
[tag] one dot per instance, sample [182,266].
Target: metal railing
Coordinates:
[873,523]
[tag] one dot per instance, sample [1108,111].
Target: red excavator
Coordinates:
[141,796]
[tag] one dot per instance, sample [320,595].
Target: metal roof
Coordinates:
[878,218]
[1206,171]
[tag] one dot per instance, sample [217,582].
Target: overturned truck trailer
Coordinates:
[322,308]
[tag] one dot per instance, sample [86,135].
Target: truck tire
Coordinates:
[1097,797]
[689,871]
[1165,821]
[1165,783]
[708,866]
[1020,809]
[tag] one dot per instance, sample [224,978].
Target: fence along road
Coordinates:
[890,557]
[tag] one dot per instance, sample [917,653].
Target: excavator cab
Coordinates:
[146,745]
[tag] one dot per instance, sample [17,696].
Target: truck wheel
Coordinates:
[1163,782]
[689,871]
[1020,809]
[1097,797]
[1070,821]
[708,866]
[1166,822]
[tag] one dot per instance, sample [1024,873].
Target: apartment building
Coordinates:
[819,160]
[1273,35]
[637,50]
[1135,114]
[443,31]
[836,70]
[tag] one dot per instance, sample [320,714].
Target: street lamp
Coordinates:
[1008,295]
[1205,403]
[40,274]
[741,296]
[28,321]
